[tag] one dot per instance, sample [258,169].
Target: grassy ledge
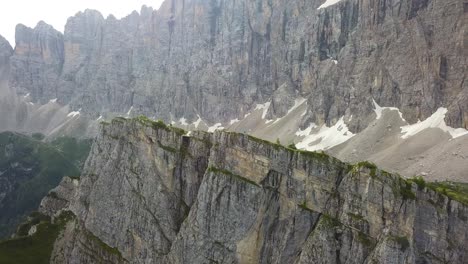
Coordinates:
[228,173]
[159,125]
[37,248]
[315,155]
[97,241]
[304,207]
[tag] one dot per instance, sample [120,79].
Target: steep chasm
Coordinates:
[151,193]
[218,59]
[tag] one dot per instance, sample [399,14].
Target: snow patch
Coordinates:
[328,3]
[99,118]
[378,110]
[74,113]
[130,111]
[326,138]
[298,102]
[31,103]
[197,123]
[232,122]
[26,95]
[263,107]
[215,127]
[306,132]
[183,121]
[53,100]
[436,120]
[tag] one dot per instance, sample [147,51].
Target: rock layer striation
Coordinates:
[151,194]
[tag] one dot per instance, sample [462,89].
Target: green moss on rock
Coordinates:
[454,190]
[37,248]
[364,239]
[304,207]
[105,247]
[228,173]
[402,241]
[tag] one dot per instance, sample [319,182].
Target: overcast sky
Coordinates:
[56,12]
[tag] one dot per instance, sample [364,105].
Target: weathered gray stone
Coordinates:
[218,59]
[155,195]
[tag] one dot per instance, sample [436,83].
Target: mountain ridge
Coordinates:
[162,35]
[248,201]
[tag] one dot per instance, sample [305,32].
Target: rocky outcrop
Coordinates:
[37,62]
[5,53]
[152,194]
[218,59]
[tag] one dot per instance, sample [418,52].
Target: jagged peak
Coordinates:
[146,9]
[90,12]
[5,45]
[40,26]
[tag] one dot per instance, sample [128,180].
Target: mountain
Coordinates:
[29,168]
[151,194]
[363,81]
[313,73]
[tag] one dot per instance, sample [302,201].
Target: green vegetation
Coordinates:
[159,124]
[276,146]
[329,221]
[33,168]
[366,164]
[37,248]
[75,150]
[167,148]
[355,217]
[235,176]
[38,136]
[364,239]
[98,242]
[292,146]
[33,219]
[320,156]
[419,181]
[402,241]
[303,206]
[454,190]
[404,188]
[400,186]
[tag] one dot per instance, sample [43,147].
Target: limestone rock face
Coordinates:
[5,51]
[218,59]
[37,62]
[151,194]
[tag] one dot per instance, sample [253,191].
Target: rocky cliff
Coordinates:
[217,59]
[153,194]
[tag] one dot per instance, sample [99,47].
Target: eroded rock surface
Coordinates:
[218,59]
[151,194]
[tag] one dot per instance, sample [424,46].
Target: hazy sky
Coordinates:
[56,12]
